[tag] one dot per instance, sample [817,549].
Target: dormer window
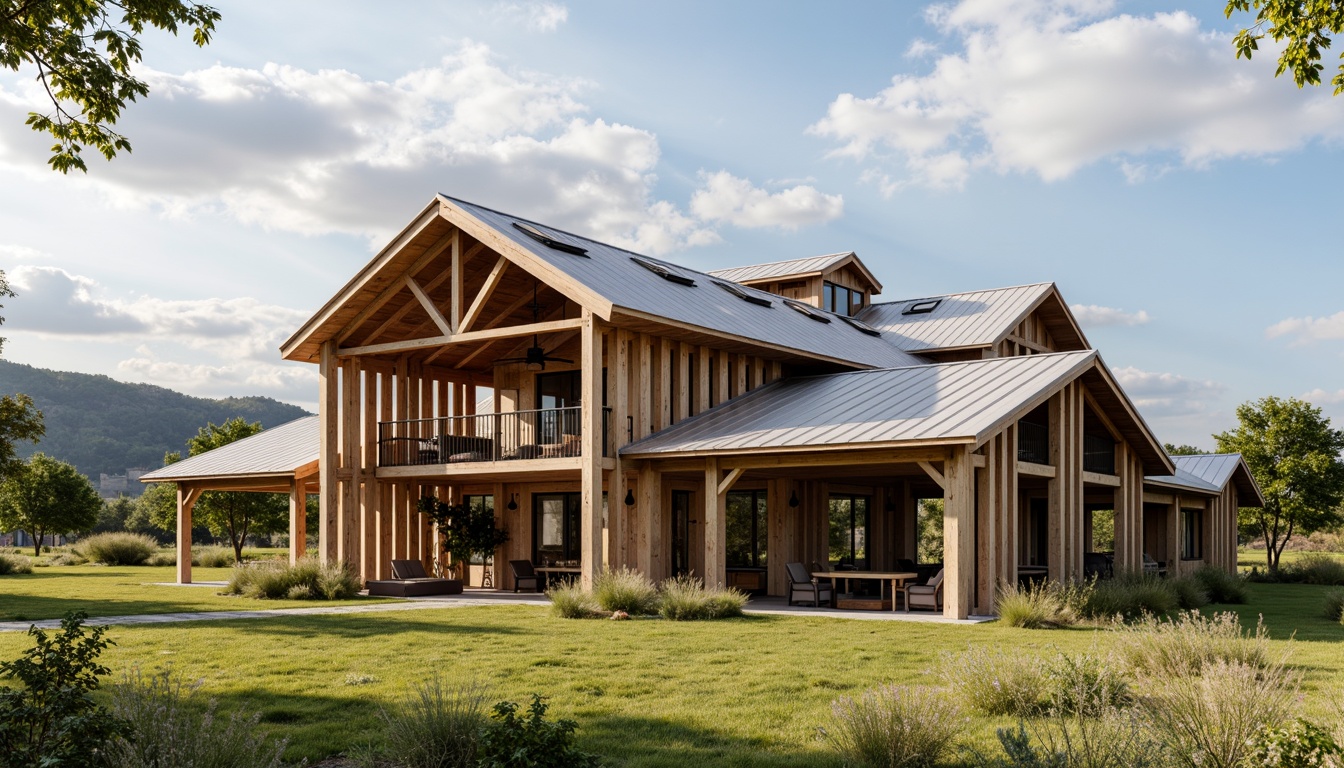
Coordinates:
[841,300]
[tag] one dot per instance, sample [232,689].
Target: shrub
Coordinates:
[510,741]
[1189,642]
[50,718]
[166,557]
[685,598]
[1316,568]
[1223,587]
[894,726]
[1211,721]
[1114,739]
[66,558]
[15,564]
[213,557]
[1334,606]
[117,548]
[167,727]
[1130,596]
[435,725]
[1042,605]
[569,601]
[305,580]
[1086,685]
[626,590]
[1190,593]
[1299,744]
[996,682]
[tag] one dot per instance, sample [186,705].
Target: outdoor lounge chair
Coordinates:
[524,576]
[803,587]
[410,580]
[925,595]
[1097,565]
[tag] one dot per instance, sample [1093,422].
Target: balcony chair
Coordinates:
[524,576]
[925,595]
[802,587]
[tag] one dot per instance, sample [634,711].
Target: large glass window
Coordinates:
[841,300]
[555,529]
[1192,534]
[849,530]
[681,534]
[746,525]
[486,503]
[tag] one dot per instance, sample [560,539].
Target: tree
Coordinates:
[114,514]
[465,530]
[1182,450]
[1305,26]
[19,420]
[48,497]
[1294,455]
[83,52]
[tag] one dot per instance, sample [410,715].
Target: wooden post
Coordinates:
[716,533]
[958,534]
[1055,490]
[186,499]
[298,521]
[646,516]
[618,514]
[988,505]
[347,542]
[590,472]
[328,458]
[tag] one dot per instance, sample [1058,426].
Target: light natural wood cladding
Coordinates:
[590,473]
[716,535]
[186,499]
[959,534]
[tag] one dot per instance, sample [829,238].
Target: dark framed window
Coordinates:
[1192,534]
[746,524]
[555,528]
[849,529]
[681,533]
[841,300]
[485,502]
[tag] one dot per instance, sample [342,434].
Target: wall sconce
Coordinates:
[793,499]
[513,502]
[629,497]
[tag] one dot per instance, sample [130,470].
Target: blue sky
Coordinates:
[1183,201]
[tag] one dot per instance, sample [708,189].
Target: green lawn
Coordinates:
[747,692]
[49,592]
[1255,558]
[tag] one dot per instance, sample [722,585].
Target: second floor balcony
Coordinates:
[547,433]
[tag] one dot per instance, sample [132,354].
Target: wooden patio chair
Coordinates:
[524,575]
[803,587]
[925,595]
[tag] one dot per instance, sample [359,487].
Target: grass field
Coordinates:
[745,692]
[1255,558]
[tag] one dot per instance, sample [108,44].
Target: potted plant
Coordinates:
[465,531]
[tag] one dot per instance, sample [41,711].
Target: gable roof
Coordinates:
[946,403]
[972,319]
[275,452]
[1211,472]
[804,267]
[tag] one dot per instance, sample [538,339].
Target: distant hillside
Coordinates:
[102,425]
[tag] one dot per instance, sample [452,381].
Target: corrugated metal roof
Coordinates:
[971,319]
[275,451]
[775,269]
[1184,480]
[1212,472]
[1213,468]
[609,272]
[945,401]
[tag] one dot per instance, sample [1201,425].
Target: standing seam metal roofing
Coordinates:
[1209,472]
[609,272]
[275,451]
[804,266]
[944,401]
[960,320]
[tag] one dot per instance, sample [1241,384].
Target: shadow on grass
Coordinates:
[40,607]
[360,626]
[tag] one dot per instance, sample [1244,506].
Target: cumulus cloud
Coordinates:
[1099,317]
[1167,394]
[1303,330]
[726,198]
[1047,88]
[1324,396]
[286,381]
[538,17]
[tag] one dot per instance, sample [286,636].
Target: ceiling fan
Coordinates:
[536,355]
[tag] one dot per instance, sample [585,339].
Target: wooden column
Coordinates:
[647,516]
[779,545]
[347,521]
[958,534]
[721,392]
[186,499]
[1055,490]
[328,458]
[298,521]
[716,533]
[590,471]
[988,512]
[704,388]
[618,514]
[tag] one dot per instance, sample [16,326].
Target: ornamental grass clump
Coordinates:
[1042,605]
[306,579]
[626,590]
[895,726]
[13,564]
[167,726]
[998,682]
[1315,568]
[685,598]
[1131,595]
[570,601]
[1190,593]
[213,557]
[435,725]
[1086,685]
[1334,609]
[117,548]
[1115,738]
[1187,643]
[1221,586]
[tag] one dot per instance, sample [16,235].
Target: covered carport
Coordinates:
[282,459]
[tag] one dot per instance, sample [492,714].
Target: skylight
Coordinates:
[742,294]
[861,326]
[547,240]
[807,309]
[662,271]
[922,307]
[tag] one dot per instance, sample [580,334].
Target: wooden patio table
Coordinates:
[897,579]
[551,570]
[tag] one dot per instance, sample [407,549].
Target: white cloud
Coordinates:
[293,382]
[1167,394]
[1099,317]
[1047,88]
[10,254]
[729,199]
[1323,396]
[920,48]
[539,17]
[1303,330]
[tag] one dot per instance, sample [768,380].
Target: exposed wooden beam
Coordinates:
[512,331]
[455,306]
[445,327]
[1158,498]
[487,290]
[728,482]
[831,459]
[499,317]
[932,472]
[387,293]
[1034,469]
[1098,478]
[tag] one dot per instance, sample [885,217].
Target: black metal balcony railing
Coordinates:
[1033,442]
[1099,454]
[546,433]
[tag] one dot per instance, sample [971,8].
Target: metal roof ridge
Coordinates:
[786,261]
[958,293]
[944,364]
